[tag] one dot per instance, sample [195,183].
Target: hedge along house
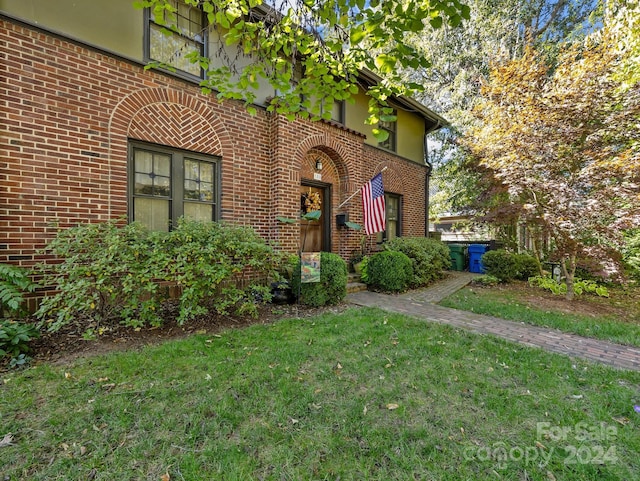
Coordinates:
[90,135]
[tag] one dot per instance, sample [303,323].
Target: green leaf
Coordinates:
[356,35]
[353,225]
[286,220]
[386,63]
[416,25]
[455,20]
[380,134]
[436,22]
[313,215]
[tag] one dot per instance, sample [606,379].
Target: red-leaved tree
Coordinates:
[564,141]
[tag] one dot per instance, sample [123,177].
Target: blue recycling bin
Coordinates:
[475,258]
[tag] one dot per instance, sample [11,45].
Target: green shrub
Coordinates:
[331,289]
[631,253]
[429,257]
[211,261]
[106,272]
[500,264]
[486,280]
[122,273]
[14,282]
[389,271]
[364,268]
[580,286]
[14,339]
[526,266]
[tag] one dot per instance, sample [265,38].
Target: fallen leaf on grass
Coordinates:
[6,440]
[392,406]
[165,477]
[623,421]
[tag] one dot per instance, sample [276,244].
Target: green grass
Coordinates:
[508,305]
[362,395]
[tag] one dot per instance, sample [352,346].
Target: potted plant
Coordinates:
[357,255]
[281,292]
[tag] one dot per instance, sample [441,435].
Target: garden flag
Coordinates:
[373,205]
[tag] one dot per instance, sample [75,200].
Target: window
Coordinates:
[337,111]
[182,35]
[167,183]
[336,108]
[392,230]
[391,128]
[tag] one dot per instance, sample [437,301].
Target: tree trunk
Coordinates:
[568,266]
[537,254]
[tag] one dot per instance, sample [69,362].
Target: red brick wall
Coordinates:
[68,112]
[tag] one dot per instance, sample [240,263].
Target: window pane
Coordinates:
[392,208]
[206,172]
[144,161]
[392,229]
[162,186]
[336,112]
[162,165]
[191,190]
[171,49]
[143,184]
[153,213]
[198,211]
[198,183]
[206,192]
[152,173]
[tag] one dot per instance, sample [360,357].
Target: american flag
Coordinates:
[373,205]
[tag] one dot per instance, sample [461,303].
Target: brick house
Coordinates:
[89,135]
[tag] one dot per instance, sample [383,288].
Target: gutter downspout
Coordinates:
[427,177]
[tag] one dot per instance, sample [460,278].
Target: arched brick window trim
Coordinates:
[174,118]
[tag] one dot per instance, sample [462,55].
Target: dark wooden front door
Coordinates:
[313,234]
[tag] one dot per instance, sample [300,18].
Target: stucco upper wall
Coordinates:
[113,25]
[410,128]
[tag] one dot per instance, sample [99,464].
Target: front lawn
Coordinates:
[615,319]
[361,395]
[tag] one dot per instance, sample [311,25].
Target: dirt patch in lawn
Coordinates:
[72,342]
[622,304]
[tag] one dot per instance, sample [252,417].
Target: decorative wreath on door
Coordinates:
[310,201]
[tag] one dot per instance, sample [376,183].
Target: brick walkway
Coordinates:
[421,303]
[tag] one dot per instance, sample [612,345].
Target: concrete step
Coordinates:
[355,287]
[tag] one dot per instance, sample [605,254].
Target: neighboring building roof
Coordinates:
[407,103]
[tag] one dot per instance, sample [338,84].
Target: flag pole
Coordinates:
[354,194]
